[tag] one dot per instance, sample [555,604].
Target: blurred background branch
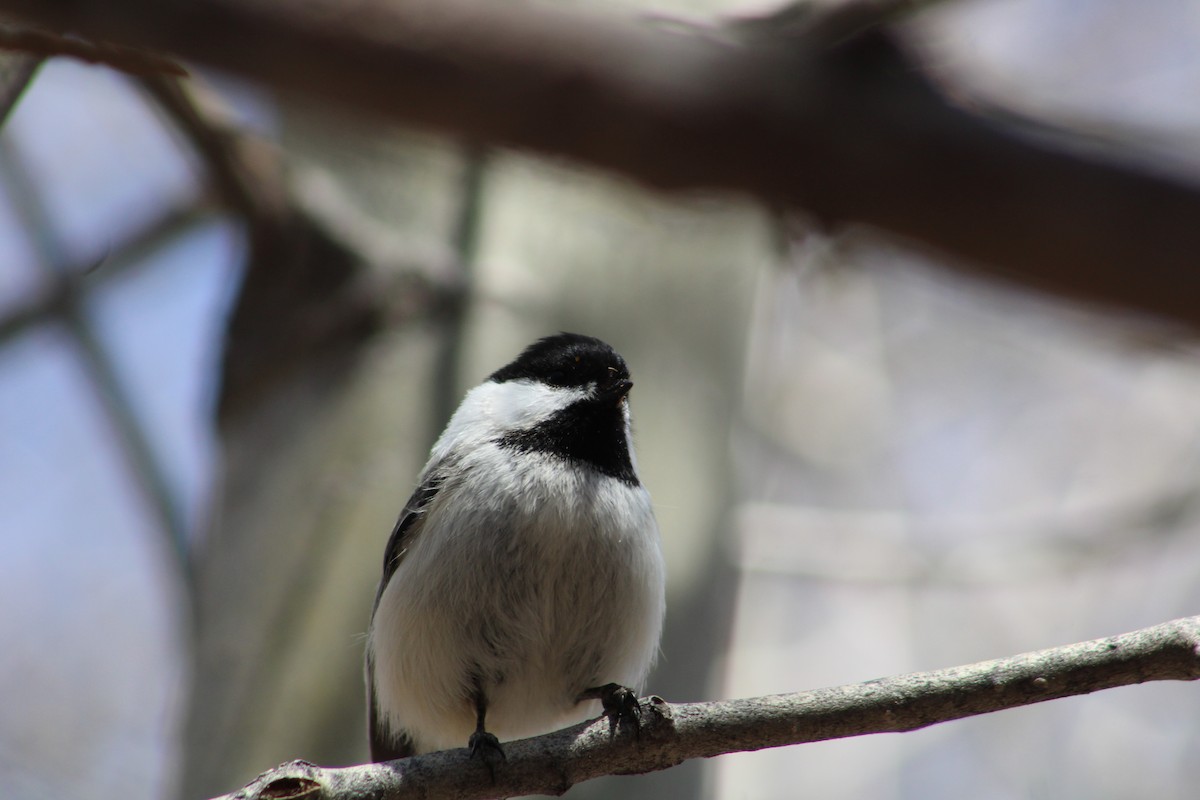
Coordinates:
[847,130]
[308,292]
[44,44]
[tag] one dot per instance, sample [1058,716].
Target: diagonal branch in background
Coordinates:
[311,289]
[672,734]
[847,130]
[302,298]
[44,44]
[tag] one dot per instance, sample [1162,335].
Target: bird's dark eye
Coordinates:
[565,373]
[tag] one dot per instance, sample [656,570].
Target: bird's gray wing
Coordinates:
[385,747]
[407,528]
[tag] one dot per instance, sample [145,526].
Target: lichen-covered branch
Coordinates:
[673,733]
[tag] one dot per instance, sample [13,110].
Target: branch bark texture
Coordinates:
[846,129]
[673,733]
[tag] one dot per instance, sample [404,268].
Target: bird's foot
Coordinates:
[486,747]
[620,705]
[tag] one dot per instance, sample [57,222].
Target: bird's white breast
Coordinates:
[566,594]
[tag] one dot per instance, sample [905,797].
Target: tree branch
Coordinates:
[672,734]
[847,130]
[313,284]
[43,44]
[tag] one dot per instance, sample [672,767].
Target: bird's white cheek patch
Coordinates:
[522,404]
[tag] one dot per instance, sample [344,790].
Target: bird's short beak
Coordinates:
[618,390]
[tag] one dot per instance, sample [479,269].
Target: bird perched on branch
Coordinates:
[523,585]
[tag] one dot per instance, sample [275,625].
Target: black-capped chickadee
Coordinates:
[524,581]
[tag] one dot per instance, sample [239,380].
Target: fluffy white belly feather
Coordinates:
[568,597]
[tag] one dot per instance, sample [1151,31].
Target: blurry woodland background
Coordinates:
[863,463]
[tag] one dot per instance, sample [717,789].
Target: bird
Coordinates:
[523,585]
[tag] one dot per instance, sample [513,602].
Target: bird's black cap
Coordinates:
[566,359]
